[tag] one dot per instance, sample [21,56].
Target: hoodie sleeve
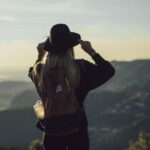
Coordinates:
[98,73]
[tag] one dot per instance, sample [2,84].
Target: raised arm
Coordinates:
[98,73]
[41,54]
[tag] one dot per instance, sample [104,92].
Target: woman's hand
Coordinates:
[41,51]
[87,47]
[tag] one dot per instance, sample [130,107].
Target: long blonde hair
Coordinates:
[55,61]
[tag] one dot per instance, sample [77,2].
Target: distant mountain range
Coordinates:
[10,89]
[117,111]
[133,73]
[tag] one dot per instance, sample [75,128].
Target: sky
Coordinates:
[117,29]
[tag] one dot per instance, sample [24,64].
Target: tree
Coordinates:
[143,142]
[36,145]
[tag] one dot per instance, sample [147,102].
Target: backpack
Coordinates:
[62,113]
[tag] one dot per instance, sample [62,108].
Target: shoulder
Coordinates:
[82,63]
[84,66]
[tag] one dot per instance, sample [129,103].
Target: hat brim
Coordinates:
[61,48]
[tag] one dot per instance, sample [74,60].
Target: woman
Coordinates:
[82,75]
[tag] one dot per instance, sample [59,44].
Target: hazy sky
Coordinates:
[117,29]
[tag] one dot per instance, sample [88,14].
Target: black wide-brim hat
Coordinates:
[61,39]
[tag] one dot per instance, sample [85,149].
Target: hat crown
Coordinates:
[59,31]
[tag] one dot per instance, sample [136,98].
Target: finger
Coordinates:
[80,41]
